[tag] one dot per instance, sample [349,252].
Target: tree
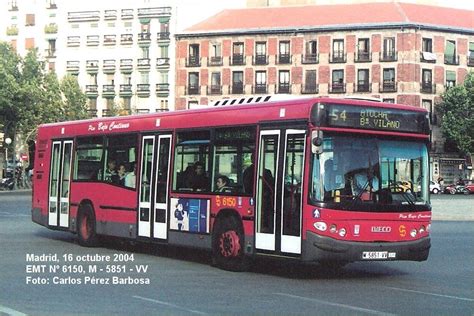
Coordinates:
[457,114]
[9,87]
[74,99]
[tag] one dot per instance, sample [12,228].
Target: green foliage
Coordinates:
[457,114]
[29,96]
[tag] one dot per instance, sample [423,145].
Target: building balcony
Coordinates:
[236,88]
[193,90]
[451,59]
[50,53]
[126,14]
[162,89]
[110,15]
[144,39]
[283,59]
[83,16]
[154,12]
[143,64]
[309,88]
[12,31]
[388,86]
[110,40]
[162,63]
[108,66]
[215,61]
[163,37]
[73,41]
[51,28]
[72,67]
[93,40]
[363,87]
[238,60]
[193,61]
[13,7]
[338,58]
[143,90]
[260,88]
[126,66]
[283,88]
[108,90]
[388,56]
[108,112]
[310,58]
[260,59]
[470,60]
[125,90]
[337,87]
[362,57]
[92,66]
[92,91]
[126,39]
[214,90]
[427,87]
[92,112]
[427,57]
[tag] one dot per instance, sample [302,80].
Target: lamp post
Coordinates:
[8,141]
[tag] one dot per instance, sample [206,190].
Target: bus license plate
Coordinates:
[374,255]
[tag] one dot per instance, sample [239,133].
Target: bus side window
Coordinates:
[89,152]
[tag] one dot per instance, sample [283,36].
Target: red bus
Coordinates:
[316,179]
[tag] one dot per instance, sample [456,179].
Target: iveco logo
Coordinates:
[381,229]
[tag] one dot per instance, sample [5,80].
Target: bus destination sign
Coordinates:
[376,118]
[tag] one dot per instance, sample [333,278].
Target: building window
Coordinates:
[284,56]
[260,53]
[237,82]
[311,53]
[338,54]
[337,84]
[389,84]
[363,50]
[238,54]
[450,79]
[194,56]
[427,81]
[450,57]
[216,83]
[284,81]
[428,104]
[310,86]
[260,82]
[30,20]
[470,57]
[193,83]
[389,53]
[216,55]
[388,100]
[427,45]
[29,43]
[363,84]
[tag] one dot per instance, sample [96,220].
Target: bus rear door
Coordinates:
[154,176]
[279,191]
[59,183]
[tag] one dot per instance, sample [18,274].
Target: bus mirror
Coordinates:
[317,142]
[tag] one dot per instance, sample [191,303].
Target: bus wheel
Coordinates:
[86,226]
[228,245]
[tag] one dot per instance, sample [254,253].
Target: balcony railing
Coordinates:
[309,88]
[428,87]
[91,90]
[284,59]
[389,86]
[108,89]
[193,90]
[451,59]
[92,40]
[238,60]
[126,39]
[162,89]
[339,57]
[363,87]
[362,57]
[163,62]
[143,63]
[109,66]
[126,65]
[163,36]
[260,59]
[125,90]
[260,88]
[144,38]
[310,58]
[470,60]
[427,57]
[388,56]
[284,87]
[337,87]
[214,90]
[214,61]
[109,40]
[193,61]
[143,89]
[92,66]
[237,88]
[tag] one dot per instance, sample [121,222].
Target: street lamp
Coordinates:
[8,141]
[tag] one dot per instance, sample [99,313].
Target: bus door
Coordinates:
[279,191]
[59,183]
[155,169]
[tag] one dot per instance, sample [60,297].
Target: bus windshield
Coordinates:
[353,172]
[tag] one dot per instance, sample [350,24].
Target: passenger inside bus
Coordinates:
[111,171]
[198,181]
[222,184]
[130,178]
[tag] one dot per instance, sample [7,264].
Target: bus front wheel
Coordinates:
[228,245]
[86,231]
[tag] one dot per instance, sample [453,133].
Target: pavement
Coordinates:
[445,207]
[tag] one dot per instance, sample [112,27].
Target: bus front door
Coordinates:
[154,176]
[279,191]
[59,183]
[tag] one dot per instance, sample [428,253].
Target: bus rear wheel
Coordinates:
[228,245]
[86,231]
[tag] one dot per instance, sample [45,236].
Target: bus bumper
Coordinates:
[38,217]
[324,249]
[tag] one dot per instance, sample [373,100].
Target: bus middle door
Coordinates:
[153,203]
[279,191]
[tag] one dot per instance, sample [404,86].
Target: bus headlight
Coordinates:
[422,229]
[322,226]
[342,232]
[413,233]
[333,229]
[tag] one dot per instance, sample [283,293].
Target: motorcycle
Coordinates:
[457,189]
[6,183]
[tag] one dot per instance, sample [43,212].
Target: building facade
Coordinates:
[396,59]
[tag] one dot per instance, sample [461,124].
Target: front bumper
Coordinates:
[320,248]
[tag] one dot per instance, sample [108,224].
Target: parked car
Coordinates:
[459,189]
[435,188]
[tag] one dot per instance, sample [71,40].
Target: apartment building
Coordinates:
[403,53]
